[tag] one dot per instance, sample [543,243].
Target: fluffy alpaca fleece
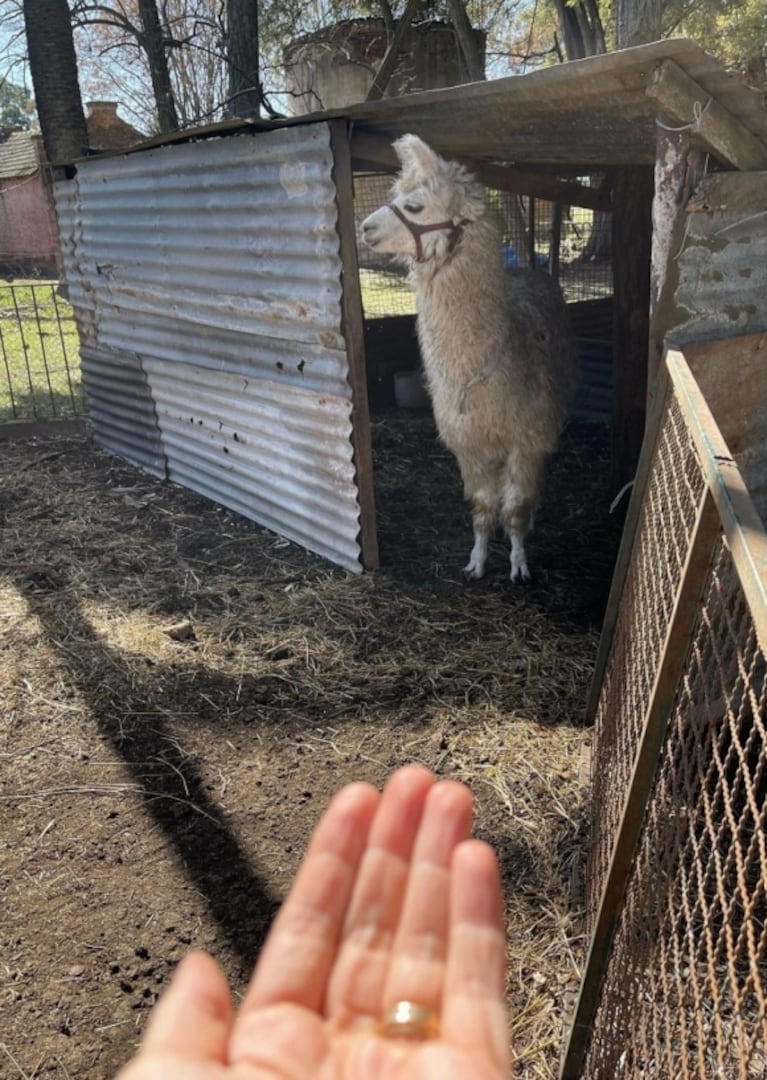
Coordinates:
[497,348]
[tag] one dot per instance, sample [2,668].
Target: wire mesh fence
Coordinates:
[676,980]
[574,243]
[39,358]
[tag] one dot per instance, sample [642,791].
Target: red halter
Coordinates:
[455,231]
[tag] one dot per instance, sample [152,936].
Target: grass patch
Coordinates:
[386,292]
[39,354]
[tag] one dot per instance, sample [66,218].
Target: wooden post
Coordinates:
[631,242]
[556,240]
[678,166]
[531,233]
[354,333]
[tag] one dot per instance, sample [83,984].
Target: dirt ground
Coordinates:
[182,692]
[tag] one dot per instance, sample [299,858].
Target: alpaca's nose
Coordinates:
[368,232]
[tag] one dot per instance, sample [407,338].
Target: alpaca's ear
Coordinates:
[416,155]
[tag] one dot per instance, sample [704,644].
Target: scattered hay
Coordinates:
[287,678]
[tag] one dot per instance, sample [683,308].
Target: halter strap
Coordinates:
[454,229]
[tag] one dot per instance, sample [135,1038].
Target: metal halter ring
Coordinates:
[408,1020]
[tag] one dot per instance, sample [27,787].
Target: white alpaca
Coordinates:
[497,349]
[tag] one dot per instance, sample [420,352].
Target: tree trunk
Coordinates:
[53,66]
[637,22]
[580,28]
[243,58]
[467,39]
[153,41]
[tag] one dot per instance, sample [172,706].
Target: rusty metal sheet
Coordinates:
[277,454]
[216,266]
[121,408]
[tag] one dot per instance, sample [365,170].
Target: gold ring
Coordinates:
[408,1020]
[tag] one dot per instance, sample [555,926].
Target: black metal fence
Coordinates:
[39,354]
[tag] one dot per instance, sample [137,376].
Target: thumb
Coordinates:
[193,1019]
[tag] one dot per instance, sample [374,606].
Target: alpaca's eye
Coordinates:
[413,208]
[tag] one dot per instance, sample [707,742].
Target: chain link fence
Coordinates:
[676,978]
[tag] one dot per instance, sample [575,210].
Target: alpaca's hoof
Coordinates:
[519,572]
[473,570]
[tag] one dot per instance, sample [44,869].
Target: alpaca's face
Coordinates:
[430,198]
[421,206]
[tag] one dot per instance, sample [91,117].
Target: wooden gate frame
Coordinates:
[724,507]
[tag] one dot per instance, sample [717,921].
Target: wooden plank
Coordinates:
[744,192]
[354,334]
[543,186]
[686,103]
[577,82]
[391,56]
[742,525]
[374,152]
[631,243]
[661,702]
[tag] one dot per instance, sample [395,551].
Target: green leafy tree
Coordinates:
[17,109]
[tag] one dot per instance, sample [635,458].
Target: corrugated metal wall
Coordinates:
[207,282]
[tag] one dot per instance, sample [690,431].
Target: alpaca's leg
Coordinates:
[517,512]
[484,513]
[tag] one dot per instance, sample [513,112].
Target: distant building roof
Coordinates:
[19,155]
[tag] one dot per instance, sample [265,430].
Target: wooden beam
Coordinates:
[543,186]
[631,242]
[391,56]
[687,104]
[374,152]
[353,329]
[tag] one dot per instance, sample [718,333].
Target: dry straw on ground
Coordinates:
[183,691]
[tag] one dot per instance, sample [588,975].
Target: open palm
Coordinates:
[393,902]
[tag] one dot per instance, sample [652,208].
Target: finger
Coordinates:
[298,955]
[474,1015]
[193,1019]
[356,986]
[417,968]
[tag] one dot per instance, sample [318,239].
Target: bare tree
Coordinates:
[581,29]
[153,43]
[245,94]
[638,21]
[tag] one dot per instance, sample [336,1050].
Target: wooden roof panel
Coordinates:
[594,112]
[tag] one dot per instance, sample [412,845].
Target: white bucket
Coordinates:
[410,390]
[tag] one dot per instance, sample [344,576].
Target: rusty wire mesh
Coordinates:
[681,989]
[663,535]
[686,988]
[584,269]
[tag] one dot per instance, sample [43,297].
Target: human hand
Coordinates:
[393,902]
